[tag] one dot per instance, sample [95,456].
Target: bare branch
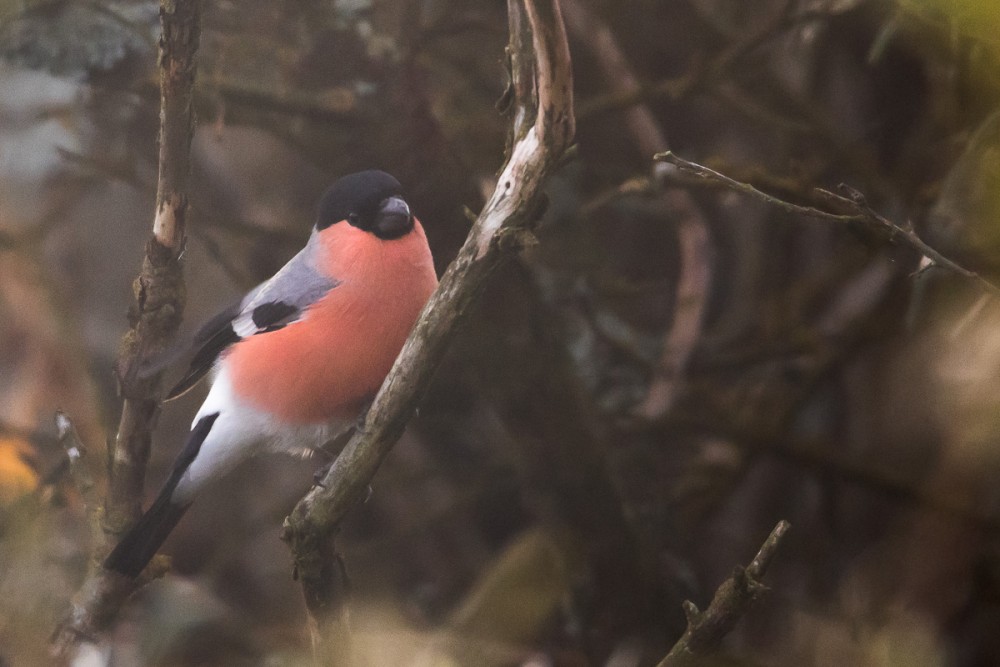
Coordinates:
[80,469]
[537,36]
[159,290]
[694,278]
[703,72]
[747,189]
[706,629]
[617,73]
[154,316]
[861,214]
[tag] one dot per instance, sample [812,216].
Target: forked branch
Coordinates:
[542,129]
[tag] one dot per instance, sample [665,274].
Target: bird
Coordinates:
[302,354]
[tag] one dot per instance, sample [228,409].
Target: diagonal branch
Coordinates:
[706,629]
[154,317]
[860,213]
[542,127]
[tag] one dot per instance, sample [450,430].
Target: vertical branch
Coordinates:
[181,22]
[521,60]
[695,275]
[159,290]
[154,316]
[542,128]
[549,103]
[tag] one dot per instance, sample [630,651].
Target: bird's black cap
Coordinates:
[370,200]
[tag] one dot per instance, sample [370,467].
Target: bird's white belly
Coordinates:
[239,432]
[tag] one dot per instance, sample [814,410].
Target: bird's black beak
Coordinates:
[393,219]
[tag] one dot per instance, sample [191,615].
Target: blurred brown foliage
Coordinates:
[635,401]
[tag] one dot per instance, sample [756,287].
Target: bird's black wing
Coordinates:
[211,339]
[269,307]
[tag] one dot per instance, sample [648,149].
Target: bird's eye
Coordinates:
[354,219]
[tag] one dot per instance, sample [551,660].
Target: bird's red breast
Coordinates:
[328,364]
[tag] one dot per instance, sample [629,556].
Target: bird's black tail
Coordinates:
[138,546]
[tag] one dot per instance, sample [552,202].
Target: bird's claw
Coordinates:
[321,473]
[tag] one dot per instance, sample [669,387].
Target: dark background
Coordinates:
[633,404]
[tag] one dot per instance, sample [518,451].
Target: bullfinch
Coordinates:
[302,354]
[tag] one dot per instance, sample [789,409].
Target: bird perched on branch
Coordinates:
[302,353]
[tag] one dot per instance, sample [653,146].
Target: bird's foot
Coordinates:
[320,474]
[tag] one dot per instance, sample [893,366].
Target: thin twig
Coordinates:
[706,629]
[747,189]
[81,471]
[677,204]
[330,106]
[76,453]
[543,126]
[861,214]
[701,74]
[617,73]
